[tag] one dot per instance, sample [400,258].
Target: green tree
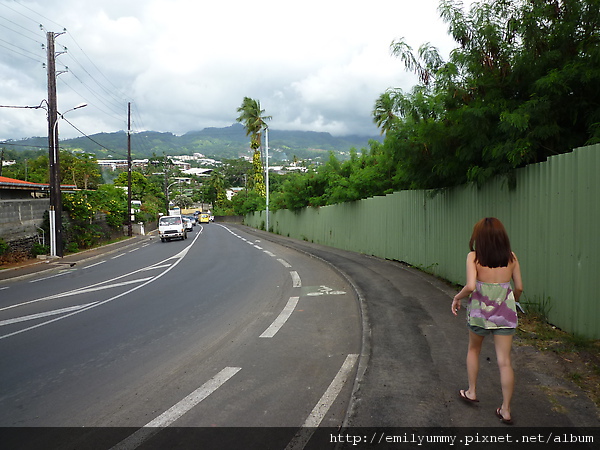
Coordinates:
[183,201]
[384,113]
[520,86]
[254,120]
[83,229]
[236,172]
[247,202]
[149,190]
[141,186]
[80,169]
[33,168]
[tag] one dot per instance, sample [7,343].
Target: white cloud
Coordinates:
[187,64]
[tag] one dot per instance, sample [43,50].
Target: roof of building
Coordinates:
[12,183]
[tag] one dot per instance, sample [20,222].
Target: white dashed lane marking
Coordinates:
[177,410]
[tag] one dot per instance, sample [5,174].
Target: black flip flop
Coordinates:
[463,395]
[502,419]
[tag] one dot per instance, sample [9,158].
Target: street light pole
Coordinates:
[267,172]
[167,192]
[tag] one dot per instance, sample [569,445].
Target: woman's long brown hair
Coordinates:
[491,243]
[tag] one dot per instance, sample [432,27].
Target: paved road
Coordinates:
[411,362]
[219,330]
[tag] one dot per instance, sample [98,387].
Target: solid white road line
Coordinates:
[77,291]
[178,258]
[44,314]
[97,288]
[281,319]
[320,410]
[296,282]
[154,267]
[176,411]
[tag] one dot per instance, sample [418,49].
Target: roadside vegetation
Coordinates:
[575,358]
[520,86]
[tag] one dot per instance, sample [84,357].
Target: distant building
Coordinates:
[114,164]
[233,191]
[182,165]
[198,172]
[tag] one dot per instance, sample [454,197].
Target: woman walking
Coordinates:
[491,308]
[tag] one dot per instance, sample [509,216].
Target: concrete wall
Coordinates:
[20,218]
[229,219]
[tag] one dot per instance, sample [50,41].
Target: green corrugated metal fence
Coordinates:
[552,217]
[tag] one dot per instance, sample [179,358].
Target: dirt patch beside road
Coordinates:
[552,352]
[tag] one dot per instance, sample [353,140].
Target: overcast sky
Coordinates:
[185,65]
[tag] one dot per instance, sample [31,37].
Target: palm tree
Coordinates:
[384,113]
[254,121]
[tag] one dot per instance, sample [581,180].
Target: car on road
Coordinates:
[204,218]
[194,219]
[171,227]
[189,225]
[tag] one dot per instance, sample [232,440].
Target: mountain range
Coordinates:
[218,143]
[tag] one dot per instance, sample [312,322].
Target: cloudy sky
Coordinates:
[185,65]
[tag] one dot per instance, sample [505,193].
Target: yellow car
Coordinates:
[204,218]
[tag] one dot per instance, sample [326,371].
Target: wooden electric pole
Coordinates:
[56,238]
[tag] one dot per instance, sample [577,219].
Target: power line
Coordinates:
[110,94]
[19,33]
[92,93]
[94,65]
[33,11]
[86,136]
[33,57]
[101,92]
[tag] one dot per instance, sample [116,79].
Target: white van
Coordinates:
[170,227]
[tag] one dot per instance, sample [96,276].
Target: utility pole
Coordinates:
[129,211]
[55,212]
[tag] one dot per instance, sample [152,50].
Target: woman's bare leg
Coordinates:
[503,346]
[475,342]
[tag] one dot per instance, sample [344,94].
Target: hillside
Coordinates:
[218,143]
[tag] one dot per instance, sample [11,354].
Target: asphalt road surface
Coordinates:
[219,330]
[238,329]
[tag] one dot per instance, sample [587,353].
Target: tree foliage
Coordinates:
[84,230]
[361,176]
[520,86]
[79,169]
